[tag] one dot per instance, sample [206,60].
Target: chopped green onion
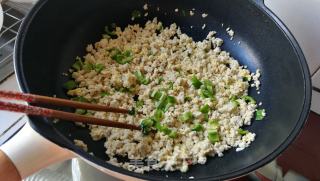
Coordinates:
[132,111]
[70,85]
[207,90]
[165,129]
[89,114]
[242,132]
[187,116]
[260,114]
[121,57]
[146,125]
[136,14]
[103,94]
[160,27]
[78,64]
[158,115]
[139,104]
[245,79]
[95,101]
[235,103]
[249,99]
[213,124]
[233,98]
[170,85]
[99,67]
[161,104]
[156,95]
[108,32]
[196,82]
[80,111]
[159,80]
[80,99]
[197,127]
[205,108]
[157,125]
[141,78]
[173,134]
[187,99]
[88,66]
[183,12]
[125,90]
[213,136]
[170,102]
[206,117]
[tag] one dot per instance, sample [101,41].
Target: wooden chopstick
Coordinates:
[50,113]
[32,98]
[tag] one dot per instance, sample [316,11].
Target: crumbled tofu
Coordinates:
[81,144]
[166,52]
[255,78]
[55,120]
[204,15]
[176,10]
[65,74]
[145,6]
[230,32]
[191,13]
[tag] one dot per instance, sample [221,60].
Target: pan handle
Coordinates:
[28,152]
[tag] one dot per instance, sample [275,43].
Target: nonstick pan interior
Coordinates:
[56,31]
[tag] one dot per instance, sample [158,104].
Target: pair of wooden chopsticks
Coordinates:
[50,113]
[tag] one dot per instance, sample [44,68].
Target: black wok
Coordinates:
[56,31]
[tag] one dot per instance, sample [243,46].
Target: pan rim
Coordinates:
[67,144]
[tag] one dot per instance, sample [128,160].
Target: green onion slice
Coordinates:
[260,114]
[249,99]
[197,127]
[69,85]
[121,57]
[103,94]
[207,90]
[158,115]
[80,111]
[139,104]
[205,108]
[146,125]
[141,78]
[187,116]
[99,67]
[213,136]
[136,14]
[242,132]
[196,82]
